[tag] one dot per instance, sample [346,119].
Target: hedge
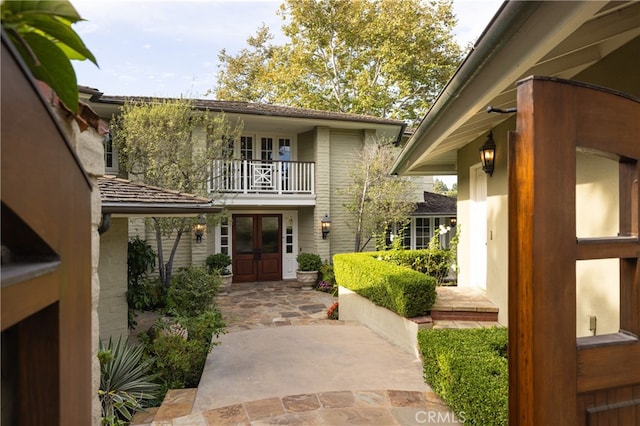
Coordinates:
[468,369]
[397,288]
[433,262]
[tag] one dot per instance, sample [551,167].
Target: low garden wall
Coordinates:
[401,331]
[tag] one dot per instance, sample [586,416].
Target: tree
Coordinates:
[439,187]
[387,58]
[169,144]
[376,200]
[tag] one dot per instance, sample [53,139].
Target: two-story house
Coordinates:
[281,183]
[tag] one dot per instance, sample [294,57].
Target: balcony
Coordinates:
[254,177]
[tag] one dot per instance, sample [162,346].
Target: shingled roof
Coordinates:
[250,108]
[436,204]
[124,196]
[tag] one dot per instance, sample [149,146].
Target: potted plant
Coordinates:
[220,263]
[308,266]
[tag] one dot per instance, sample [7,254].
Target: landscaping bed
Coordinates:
[468,369]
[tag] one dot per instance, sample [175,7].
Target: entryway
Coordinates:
[257,248]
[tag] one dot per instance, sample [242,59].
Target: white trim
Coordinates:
[478,223]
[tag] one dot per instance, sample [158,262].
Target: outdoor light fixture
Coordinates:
[200,227]
[453,221]
[326,226]
[488,155]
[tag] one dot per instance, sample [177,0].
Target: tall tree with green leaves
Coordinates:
[387,58]
[169,144]
[376,199]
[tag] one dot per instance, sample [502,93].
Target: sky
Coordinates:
[170,48]
[165,48]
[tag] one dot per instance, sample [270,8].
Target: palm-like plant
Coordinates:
[125,384]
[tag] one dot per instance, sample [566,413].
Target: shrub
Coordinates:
[218,262]
[191,292]
[468,369]
[142,293]
[125,382]
[397,288]
[309,262]
[178,360]
[433,262]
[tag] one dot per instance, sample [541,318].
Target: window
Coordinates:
[110,154]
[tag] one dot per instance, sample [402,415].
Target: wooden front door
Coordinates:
[554,378]
[257,248]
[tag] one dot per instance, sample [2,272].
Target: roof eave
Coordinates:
[155,210]
[519,32]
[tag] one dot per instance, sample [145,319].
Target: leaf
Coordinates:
[61,8]
[54,69]
[64,34]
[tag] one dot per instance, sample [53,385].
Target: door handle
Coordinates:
[257,253]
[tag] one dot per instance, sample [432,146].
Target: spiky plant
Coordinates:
[126,386]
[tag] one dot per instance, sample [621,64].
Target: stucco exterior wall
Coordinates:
[596,215]
[113,274]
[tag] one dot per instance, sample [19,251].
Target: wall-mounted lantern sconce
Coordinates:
[200,227]
[326,226]
[453,221]
[488,155]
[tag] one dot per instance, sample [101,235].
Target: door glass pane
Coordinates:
[270,235]
[246,147]
[266,149]
[244,235]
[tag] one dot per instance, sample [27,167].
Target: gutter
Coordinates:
[157,209]
[504,25]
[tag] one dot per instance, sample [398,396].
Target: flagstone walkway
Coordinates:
[283,362]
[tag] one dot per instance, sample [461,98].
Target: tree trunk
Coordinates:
[161,268]
[169,265]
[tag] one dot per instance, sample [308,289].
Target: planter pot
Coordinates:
[226,280]
[307,277]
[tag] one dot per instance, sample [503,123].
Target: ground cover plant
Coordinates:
[468,369]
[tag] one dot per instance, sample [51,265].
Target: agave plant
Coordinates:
[125,384]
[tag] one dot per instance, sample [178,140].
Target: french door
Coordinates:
[257,248]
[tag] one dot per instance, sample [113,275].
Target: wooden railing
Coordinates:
[262,177]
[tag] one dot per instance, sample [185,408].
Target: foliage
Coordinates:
[42,34]
[327,274]
[169,144]
[218,262]
[439,187]
[375,199]
[142,293]
[387,58]
[401,290]
[179,361]
[334,311]
[467,368]
[309,262]
[140,259]
[192,291]
[433,261]
[125,382]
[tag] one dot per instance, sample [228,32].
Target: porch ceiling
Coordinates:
[557,39]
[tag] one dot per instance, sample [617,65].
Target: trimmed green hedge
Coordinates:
[468,369]
[397,288]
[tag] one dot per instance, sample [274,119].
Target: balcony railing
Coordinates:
[262,177]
